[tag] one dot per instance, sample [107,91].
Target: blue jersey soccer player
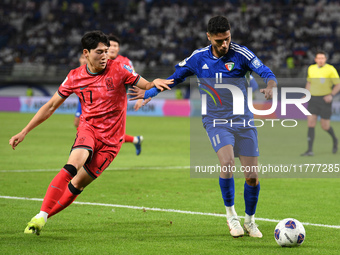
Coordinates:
[227,61]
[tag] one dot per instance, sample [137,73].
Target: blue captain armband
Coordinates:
[151,92]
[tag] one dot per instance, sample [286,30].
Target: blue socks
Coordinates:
[251,196]
[228,190]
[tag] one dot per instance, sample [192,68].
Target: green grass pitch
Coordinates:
[159,178]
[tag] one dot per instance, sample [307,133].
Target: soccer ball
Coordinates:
[289,233]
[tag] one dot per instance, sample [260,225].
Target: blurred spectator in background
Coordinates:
[161,33]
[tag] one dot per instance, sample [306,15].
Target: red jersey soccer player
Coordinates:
[113,54]
[100,87]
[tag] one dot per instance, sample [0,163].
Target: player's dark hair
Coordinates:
[114,38]
[91,39]
[321,52]
[218,24]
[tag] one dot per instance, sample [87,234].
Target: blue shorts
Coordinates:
[243,139]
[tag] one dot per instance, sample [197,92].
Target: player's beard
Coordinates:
[221,52]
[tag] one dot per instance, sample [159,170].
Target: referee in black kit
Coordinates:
[323,83]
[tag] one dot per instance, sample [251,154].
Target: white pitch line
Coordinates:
[168,210]
[109,169]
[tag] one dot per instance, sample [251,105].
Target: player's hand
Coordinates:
[15,140]
[136,93]
[328,99]
[162,84]
[140,103]
[268,93]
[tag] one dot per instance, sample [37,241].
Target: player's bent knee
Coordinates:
[325,126]
[71,169]
[252,181]
[227,162]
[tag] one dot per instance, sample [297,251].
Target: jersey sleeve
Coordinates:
[131,77]
[65,89]
[335,76]
[130,63]
[183,70]
[256,65]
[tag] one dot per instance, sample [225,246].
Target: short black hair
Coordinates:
[218,24]
[91,39]
[321,52]
[114,38]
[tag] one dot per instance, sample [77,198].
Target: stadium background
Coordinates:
[40,40]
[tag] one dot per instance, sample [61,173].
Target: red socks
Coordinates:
[128,138]
[69,195]
[57,188]
[60,193]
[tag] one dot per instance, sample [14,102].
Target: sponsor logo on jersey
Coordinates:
[130,69]
[109,83]
[256,62]
[229,66]
[205,66]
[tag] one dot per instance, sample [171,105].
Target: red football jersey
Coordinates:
[124,60]
[103,98]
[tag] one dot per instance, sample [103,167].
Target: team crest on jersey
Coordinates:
[256,62]
[81,140]
[109,84]
[229,66]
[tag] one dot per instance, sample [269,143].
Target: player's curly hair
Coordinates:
[218,24]
[91,39]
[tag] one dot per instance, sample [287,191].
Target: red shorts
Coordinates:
[101,155]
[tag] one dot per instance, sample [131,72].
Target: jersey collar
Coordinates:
[94,74]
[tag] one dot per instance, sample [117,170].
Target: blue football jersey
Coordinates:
[214,73]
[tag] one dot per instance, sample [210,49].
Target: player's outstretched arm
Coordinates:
[160,84]
[268,92]
[43,114]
